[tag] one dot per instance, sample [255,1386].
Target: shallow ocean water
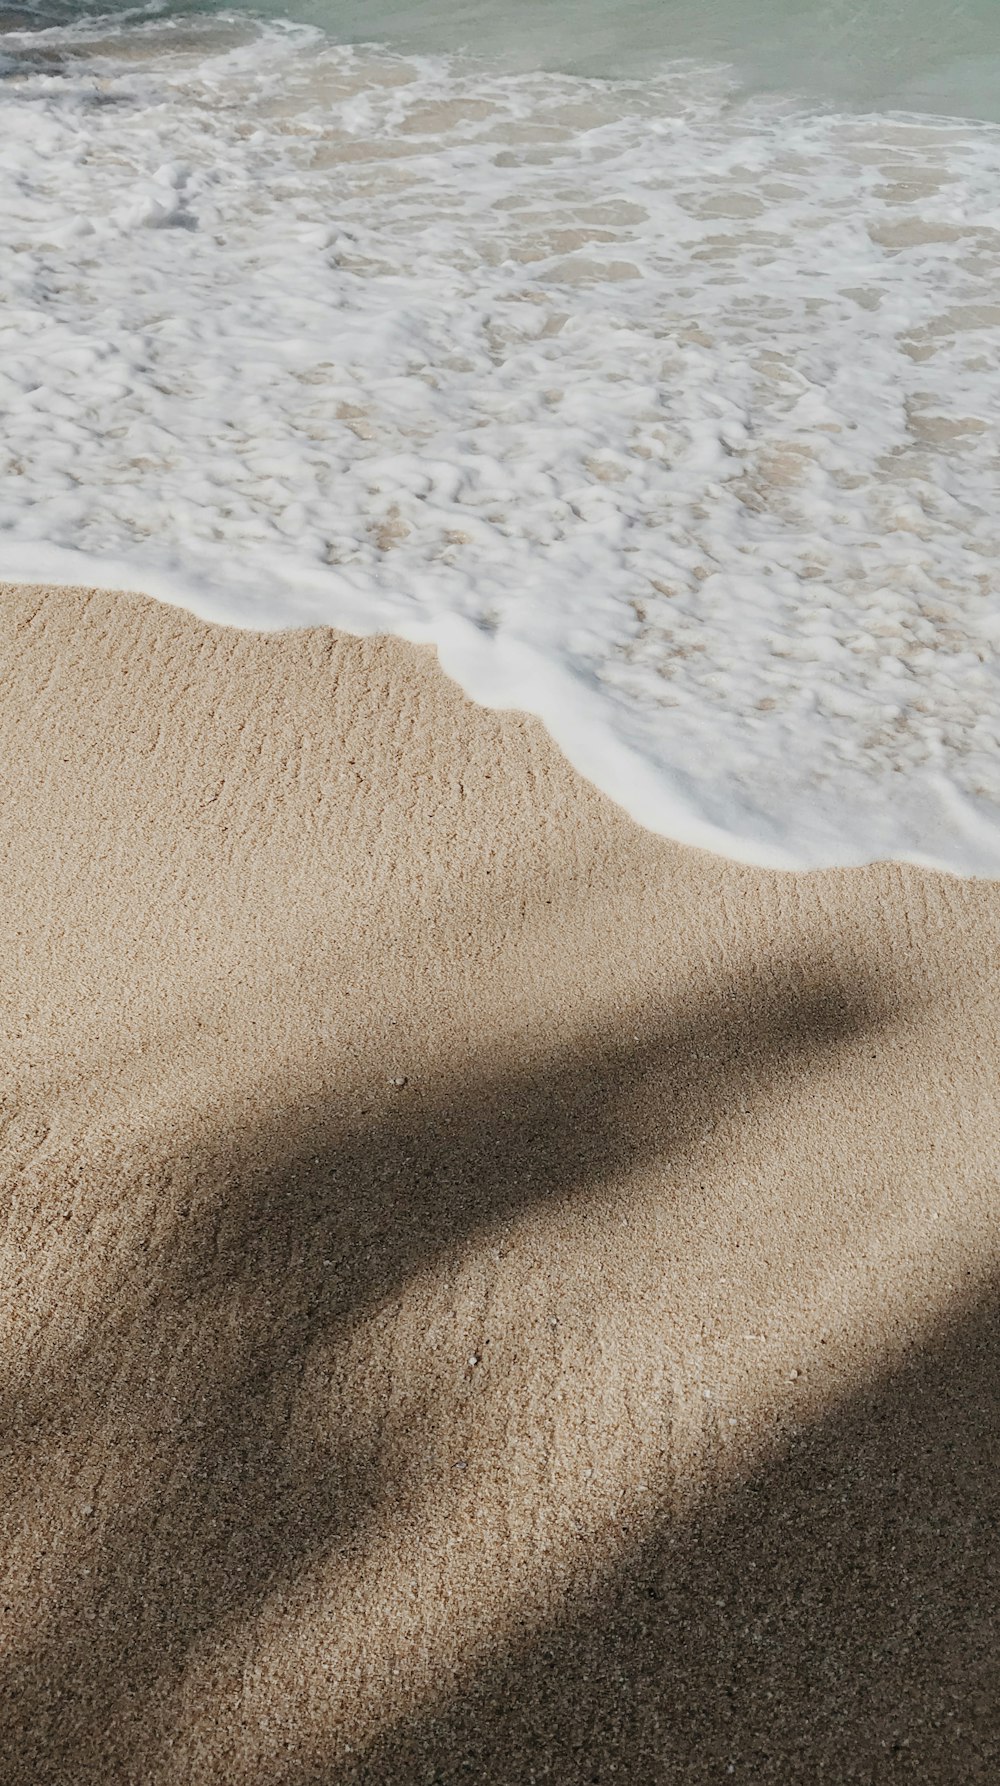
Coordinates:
[650,368]
[941,55]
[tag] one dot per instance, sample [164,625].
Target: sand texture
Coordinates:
[615,1399]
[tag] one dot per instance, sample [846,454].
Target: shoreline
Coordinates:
[715,512]
[520,680]
[488,1287]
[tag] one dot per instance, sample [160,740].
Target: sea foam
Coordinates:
[665,413]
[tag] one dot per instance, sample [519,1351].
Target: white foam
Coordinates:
[667,416]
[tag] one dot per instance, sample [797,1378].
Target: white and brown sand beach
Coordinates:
[488,1294]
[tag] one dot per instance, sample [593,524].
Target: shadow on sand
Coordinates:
[833,1618]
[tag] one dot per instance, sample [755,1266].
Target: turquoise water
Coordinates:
[919,54]
[911,54]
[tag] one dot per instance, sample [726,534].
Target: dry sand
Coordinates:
[617,1399]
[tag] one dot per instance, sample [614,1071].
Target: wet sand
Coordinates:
[488,1294]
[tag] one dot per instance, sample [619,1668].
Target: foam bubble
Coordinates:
[666,414]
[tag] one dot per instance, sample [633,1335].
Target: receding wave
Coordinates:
[665,412]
